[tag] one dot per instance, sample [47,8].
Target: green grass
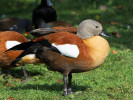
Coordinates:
[113,80]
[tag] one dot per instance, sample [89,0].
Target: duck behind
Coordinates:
[43,14]
[15,24]
[8,39]
[69,53]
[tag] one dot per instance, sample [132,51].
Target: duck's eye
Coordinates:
[96,26]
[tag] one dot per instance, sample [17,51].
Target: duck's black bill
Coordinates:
[104,34]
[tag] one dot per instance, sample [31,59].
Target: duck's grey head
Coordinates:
[89,28]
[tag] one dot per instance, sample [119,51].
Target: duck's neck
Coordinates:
[98,48]
[46,3]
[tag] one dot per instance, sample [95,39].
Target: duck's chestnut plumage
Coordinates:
[72,53]
[9,36]
[9,39]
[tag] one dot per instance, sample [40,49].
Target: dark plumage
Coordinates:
[16,24]
[43,14]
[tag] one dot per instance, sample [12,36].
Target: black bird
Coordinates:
[43,14]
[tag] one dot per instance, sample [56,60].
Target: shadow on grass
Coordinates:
[54,87]
[18,73]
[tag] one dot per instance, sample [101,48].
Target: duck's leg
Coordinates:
[25,74]
[65,85]
[69,90]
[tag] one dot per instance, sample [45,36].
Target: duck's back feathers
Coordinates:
[45,31]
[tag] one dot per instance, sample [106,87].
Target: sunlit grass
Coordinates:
[113,80]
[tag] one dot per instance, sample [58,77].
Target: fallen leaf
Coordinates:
[114,23]
[19,79]
[9,84]
[26,33]
[117,35]
[114,51]
[59,81]
[10,98]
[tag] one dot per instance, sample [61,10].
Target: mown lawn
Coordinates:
[113,80]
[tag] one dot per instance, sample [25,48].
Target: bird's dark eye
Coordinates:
[96,26]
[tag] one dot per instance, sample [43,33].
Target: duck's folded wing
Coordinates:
[67,44]
[41,32]
[22,46]
[69,50]
[45,31]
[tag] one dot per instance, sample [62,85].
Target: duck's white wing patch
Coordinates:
[68,50]
[10,44]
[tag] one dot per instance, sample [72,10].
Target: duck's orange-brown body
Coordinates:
[7,57]
[71,53]
[92,54]
[65,29]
